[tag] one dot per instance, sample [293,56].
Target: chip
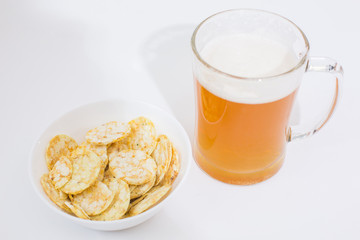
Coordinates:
[77,210]
[108,174]
[95,199]
[120,203]
[60,145]
[149,199]
[101,173]
[108,133]
[139,190]
[117,147]
[55,195]
[101,151]
[121,170]
[174,168]
[60,174]
[135,167]
[109,180]
[135,201]
[162,155]
[86,168]
[142,135]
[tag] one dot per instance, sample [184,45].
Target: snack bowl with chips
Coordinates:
[86,123]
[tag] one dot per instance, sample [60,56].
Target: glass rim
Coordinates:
[197,54]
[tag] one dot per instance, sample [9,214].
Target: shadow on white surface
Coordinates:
[51,53]
[161,226]
[167,58]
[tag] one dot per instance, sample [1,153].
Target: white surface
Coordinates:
[55,55]
[72,123]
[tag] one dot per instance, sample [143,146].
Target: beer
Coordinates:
[241,128]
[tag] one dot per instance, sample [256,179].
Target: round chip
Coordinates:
[150,199]
[55,195]
[162,155]
[86,168]
[101,151]
[60,174]
[139,190]
[134,202]
[120,203]
[174,168]
[142,135]
[60,145]
[117,147]
[101,173]
[107,175]
[111,181]
[95,199]
[133,166]
[108,133]
[77,210]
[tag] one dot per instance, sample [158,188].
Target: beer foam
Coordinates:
[249,56]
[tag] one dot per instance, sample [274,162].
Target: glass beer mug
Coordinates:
[248,66]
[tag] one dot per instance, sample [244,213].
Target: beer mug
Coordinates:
[248,66]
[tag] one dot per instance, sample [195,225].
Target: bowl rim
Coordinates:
[136,218]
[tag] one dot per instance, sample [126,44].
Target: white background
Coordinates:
[56,55]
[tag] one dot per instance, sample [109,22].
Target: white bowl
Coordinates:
[78,121]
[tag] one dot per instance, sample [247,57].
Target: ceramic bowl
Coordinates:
[77,122]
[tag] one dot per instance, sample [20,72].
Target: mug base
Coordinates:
[237,178]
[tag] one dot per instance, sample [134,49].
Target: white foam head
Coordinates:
[253,59]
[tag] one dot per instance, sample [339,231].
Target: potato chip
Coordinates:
[139,190]
[142,135]
[109,180]
[120,203]
[150,199]
[60,145]
[174,168]
[102,172]
[125,216]
[121,170]
[77,210]
[101,151]
[95,199]
[86,168]
[108,133]
[55,195]
[162,155]
[135,201]
[133,166]
[60,174]
[71,197]
[117,147]
[108,174]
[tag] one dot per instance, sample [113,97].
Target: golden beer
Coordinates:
[240,143]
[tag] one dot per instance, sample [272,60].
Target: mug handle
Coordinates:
[326,65]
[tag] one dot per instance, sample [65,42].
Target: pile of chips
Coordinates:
[121,170]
